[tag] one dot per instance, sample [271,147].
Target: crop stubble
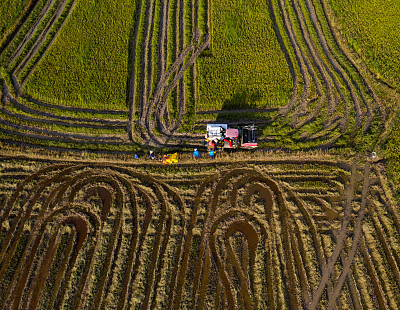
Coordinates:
[265,235]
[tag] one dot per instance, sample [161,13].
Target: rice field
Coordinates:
[10,11]
[245,66]
[85,85]
[372,30]
[88,63]
[285,232]
[78,74]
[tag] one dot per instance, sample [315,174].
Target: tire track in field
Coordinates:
[162,40]
[341,237]
[30,33]
[56,188]
[181,35]
[62,120]
[163,53]
[317,61]
[178,78]
[42,122]
[132,81]
[59,15]
[357,236]
[163,117]
[52,135]
[154,113]
[338,68]
[370,90]
[9,35]
[69,119]
[41,39]
[300,59]
[150,64]
[55,133]
[73,109]
[144,84]
[181,53]
[215,215]
[382,302]
[252,236]
[54,23]
[307,73]
[314,59]
[327,76]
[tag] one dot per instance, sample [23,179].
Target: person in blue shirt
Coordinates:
[212,154]
[196,154]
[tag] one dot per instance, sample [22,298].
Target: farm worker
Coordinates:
[196,153]
[211,145]
[152,156]
[136,156]
[205,140]
[212,154]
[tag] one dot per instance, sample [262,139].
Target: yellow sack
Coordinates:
[172,158]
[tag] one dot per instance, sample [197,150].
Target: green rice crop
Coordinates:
[88,64]
[9,12]
[391,149]
[372,28]
[245,66]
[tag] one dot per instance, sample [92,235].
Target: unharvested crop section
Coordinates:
[283,233]
[245,67]
[163,92]
[36,122]
[372,30]
[10,11]
[332,98]
[168,37]
[88,63]
[335,99]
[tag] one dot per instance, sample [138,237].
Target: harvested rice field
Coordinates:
[283,233]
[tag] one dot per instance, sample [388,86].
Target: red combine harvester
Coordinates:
[224,137]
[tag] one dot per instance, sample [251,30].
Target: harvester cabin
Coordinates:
[231,138]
